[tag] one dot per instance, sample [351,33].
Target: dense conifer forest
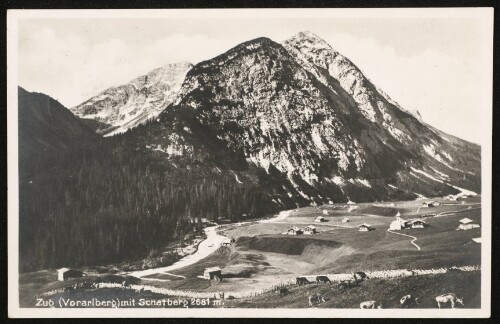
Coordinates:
[100,204]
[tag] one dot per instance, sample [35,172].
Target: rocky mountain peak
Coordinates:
[123,107]
[311,40]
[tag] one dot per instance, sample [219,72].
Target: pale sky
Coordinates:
[431,64]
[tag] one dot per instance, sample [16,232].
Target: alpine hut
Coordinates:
[294,231]
[364,227]
[309,230]
[319,219]
[467,224]
[65,274]
[418,223]
[213,273]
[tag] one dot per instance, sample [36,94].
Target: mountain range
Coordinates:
[260,128]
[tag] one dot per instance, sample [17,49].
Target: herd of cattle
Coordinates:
[407,301]
[342,281]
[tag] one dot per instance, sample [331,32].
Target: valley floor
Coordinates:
[261,257]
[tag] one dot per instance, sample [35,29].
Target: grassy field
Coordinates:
[387,291]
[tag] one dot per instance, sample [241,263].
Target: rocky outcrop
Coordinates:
[118,109]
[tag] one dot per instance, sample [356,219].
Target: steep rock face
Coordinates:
[309,120]
[118,109]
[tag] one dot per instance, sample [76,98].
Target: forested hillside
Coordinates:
[101,205]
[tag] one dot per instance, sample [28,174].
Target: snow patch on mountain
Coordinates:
[462,190]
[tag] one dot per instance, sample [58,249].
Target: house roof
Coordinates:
[310,226]
[364,225]
[466,221]
[477,240]
[63,270]
[320,217]
[417,221]
[213,269]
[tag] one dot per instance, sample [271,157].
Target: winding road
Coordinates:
[412,241]
[205,248]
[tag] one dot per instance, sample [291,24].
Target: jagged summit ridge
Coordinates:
[124,107]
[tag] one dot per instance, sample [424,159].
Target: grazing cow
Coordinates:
[302,281]
[316,299]
[283,292]
[449,298]
[345,284]
[360,276]
[322,279]
[370,304]
[408,301]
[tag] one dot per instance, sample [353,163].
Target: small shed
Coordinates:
[364,227]
[345,220]
[65,274]
[467,224]
[319,219]
[226,242]
[418,223]
[213,273]
[310,230]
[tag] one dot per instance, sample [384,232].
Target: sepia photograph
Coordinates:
[250,162]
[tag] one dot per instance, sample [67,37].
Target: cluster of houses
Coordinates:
[308,230]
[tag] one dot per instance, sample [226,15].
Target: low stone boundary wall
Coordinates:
[336,277]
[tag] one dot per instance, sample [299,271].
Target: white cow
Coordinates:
[449,298]
[370,304]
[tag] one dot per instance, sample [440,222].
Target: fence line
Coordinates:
[336,277]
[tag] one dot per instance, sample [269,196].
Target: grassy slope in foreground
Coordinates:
[387,291]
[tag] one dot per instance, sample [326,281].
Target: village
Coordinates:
[312,245]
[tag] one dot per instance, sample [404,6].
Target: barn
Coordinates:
[213,273]
[467,224]
[365,227]
[65,274]
[319,219]
[310,230]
